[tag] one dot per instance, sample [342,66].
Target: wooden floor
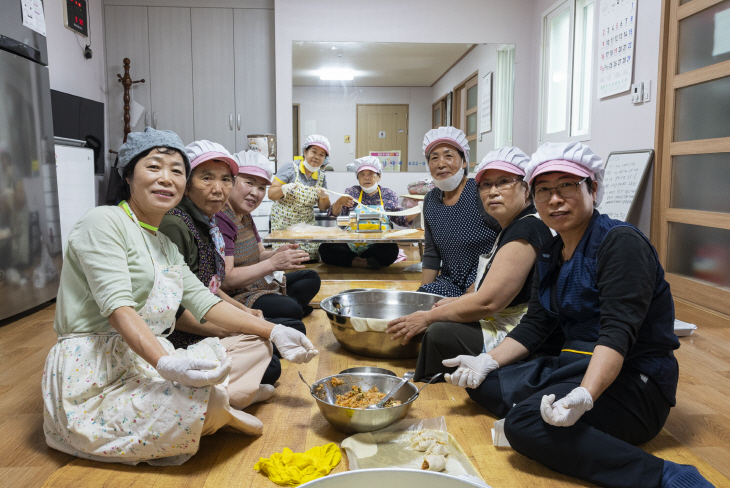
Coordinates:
[699,425]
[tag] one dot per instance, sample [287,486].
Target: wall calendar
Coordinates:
[616,36]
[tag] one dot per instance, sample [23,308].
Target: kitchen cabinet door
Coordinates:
[213,72]
[171,70]
[126,36]
[254,67]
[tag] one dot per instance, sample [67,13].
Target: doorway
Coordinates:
[382,128]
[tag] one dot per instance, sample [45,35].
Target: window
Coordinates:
[566,78]
[438,111]
[503,95]
[466,113]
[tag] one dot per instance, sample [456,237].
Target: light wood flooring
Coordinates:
[699,425]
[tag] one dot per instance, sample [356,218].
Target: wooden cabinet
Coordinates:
[209,72]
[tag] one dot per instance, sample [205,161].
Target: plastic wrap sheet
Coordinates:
[391,448]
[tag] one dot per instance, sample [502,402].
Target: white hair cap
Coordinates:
[368,162]
[567,157]
[507,158]
[447,135]
[317,140]
[254,163]
[201,151]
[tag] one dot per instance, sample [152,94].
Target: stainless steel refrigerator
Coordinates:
[30,257]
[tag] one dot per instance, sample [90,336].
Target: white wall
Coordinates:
[68,70]
[462,21]
[482,58]
[333,110]
[616,123]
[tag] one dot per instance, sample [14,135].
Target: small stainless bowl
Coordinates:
[367,369]
[375,304]
[353,420]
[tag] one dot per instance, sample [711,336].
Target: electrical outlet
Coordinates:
[637,92]
[647,91]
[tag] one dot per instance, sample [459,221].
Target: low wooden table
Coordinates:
[341,237]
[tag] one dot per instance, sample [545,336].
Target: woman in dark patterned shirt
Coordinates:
[369,193]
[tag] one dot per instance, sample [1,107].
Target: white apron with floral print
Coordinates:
[104,402]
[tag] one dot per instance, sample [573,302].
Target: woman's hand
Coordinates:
[408,326]
[346,201]
[445,301]
[289,258]
[193,372]
[254,312]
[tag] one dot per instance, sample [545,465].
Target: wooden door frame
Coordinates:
[298,147]
[693,298]
[403,167]
[442,102]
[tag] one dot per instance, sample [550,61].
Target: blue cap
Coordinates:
[140,142]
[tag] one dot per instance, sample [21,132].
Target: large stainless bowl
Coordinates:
[375,304]
[391,478]
[353,420]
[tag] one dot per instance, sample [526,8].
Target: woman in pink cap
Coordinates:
[368,193]
[458,229]
[584,411]
[476,322]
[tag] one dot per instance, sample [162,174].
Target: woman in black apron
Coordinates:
[583,412]
[477,322]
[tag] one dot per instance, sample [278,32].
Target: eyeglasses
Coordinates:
[565,190]
[501,184]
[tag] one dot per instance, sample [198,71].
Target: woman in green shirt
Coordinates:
[114,389]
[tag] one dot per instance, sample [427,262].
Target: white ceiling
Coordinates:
[375,63]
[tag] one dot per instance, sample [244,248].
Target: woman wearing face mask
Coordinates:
[584,411]
[458,229]
[298,187]
[114,389]
[255,276]
[369,193]
[476,322]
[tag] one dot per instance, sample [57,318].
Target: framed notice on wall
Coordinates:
[486,108]
[616,34]
[389,159]
[625,172]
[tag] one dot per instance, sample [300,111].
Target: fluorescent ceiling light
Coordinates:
[330,74]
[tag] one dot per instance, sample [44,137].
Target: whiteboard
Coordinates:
[76,186]
[625,170]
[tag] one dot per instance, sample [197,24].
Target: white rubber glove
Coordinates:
[322,193]
[567,411]
[292,344]
[288,188]
[471,370]
[193,371]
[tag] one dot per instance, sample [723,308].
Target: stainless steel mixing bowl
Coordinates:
[353,420]
[391,478]
[375,304]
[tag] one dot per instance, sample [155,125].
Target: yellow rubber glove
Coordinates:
[294,468]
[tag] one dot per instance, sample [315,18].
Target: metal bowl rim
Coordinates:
[325,304]
[385,471]
[324,380]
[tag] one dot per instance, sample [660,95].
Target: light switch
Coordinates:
[647,91]
[637,92]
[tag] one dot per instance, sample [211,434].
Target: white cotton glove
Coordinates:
[292,344]
[471,370]
[288,188]
[193,371]
[567,411]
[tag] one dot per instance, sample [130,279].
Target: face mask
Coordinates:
[450,183]
[370,190]
[310,168]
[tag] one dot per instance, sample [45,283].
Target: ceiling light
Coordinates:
[331,74]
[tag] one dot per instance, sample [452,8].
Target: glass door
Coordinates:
[692,231]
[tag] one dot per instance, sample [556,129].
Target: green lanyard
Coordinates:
[126,208]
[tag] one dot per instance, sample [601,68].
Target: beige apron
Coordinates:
[496,327]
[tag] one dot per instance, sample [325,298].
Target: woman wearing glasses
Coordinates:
[583,411]
[476,322]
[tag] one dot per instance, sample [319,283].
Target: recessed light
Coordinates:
[336,74]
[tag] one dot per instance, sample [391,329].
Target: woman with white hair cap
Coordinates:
[612,385]
[476,322]
[298,187]
[369,193]
[458,229]
[254,276]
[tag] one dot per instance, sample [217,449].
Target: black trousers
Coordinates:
[342,255]
[601,446]
[446,340]
[301,287]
